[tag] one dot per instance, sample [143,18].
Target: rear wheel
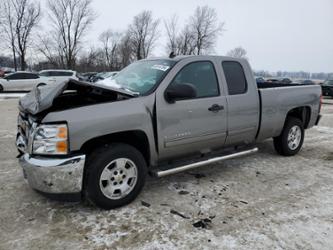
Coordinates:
[1,88]
[291,139]
[115,175]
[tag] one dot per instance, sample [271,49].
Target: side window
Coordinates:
[235,77]
[29,76]
[15,76]
[61,73]
[202,76]
[45,73]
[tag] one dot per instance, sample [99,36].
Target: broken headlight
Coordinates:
[50,139]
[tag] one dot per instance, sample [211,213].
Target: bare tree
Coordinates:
[143,33]
[52,51]
[28,16]
[8,27]
[179,42]
[19,18]
[198,36]
[206,28]
[126,50]
[111,41]
[171,27]
[70,19]
[238,52]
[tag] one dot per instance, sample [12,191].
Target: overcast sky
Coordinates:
[277,34]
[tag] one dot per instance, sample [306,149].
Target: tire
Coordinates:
[115,175]
[1,88]
[293,129]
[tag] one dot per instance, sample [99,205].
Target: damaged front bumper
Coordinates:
[54,176]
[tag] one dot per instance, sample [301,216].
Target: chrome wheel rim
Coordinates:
[118,178]
[294,137]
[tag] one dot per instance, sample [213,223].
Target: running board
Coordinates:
[162,173]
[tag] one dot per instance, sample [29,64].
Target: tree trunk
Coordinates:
[14,58]
[22,61]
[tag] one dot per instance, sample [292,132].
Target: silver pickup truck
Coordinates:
[158,116]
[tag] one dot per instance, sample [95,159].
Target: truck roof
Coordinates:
[181,57]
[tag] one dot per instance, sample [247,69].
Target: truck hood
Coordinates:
[69,94]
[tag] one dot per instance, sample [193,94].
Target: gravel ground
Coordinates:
[263,201]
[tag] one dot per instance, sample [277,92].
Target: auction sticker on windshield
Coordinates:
[160,67]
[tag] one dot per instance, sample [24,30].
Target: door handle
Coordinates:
[216,108]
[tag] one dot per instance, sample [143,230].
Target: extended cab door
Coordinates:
[195,125]
[242,99]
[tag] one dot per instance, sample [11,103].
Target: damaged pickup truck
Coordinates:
[161,116]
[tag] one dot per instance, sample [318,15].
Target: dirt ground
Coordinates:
[263,201]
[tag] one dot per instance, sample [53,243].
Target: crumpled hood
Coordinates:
[41,98]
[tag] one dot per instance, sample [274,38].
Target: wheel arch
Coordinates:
[135,138]
[303,113]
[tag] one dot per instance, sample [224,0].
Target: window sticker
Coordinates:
[160,67]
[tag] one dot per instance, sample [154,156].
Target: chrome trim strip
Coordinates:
[193,139]
[205,162]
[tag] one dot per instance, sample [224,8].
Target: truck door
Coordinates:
[243,102]
[191,125]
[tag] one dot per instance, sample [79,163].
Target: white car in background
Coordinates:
[58,75]
[22,81]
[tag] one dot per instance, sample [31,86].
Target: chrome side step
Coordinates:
[163,173]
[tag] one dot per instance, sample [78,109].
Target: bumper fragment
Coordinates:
[54,175]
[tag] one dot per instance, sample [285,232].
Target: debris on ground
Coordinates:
[203,223]
[244,202]
[183,192]
[179,214]
[146,204]
[199,176]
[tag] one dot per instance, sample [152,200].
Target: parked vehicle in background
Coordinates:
[6,71]
[103,75]
[260,80]
[304,82]
[327,88]
[279,80]
[285,80]
[58,76]
[86,76]
[22,81]
[99,142]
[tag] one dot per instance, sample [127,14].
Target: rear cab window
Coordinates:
[235,77]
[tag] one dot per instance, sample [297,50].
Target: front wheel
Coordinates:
[115,175]
[1,88]
[291,139]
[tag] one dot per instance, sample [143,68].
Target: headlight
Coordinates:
[50,139]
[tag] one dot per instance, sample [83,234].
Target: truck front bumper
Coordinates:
[54,176]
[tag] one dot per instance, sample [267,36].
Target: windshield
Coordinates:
[140,77]
[329,82]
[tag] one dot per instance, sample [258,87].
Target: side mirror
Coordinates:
[180,92]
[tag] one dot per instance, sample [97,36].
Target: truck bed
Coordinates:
[276,100]
[265,85]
